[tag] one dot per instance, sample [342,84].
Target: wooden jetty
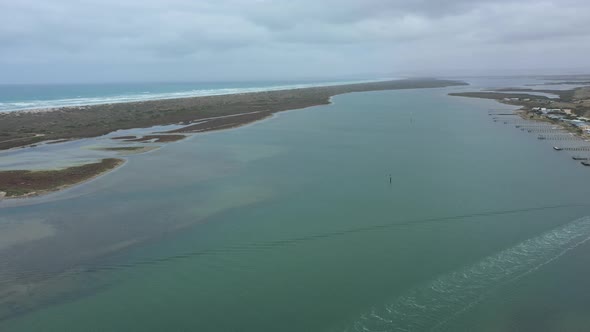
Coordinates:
[559,138]
[578,148]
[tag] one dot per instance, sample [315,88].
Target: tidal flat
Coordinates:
[27,183]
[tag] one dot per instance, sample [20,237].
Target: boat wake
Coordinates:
[434,305]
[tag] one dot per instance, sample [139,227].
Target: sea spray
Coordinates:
[432,306]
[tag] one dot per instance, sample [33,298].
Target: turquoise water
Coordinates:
[291,224]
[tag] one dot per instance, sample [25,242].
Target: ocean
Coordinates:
[292,224]
[43,96]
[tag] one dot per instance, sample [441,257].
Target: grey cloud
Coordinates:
[273,39]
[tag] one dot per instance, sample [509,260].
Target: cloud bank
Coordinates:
[113,40]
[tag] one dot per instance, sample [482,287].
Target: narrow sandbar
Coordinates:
[128,150]
[157,138]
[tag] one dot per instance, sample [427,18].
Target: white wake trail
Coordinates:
[430,307]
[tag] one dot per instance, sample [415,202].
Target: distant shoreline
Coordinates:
[23,128]
[576,101]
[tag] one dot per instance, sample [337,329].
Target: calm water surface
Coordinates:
[291,224]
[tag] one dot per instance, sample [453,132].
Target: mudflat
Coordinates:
[23,183]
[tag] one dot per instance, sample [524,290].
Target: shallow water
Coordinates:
[56,154]
[291,224]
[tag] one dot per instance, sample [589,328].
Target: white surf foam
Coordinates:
[432,306]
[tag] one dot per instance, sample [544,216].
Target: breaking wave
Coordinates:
[432,306]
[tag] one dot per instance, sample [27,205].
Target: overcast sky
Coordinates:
[204,40]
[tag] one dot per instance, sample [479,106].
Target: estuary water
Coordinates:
[385,211]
